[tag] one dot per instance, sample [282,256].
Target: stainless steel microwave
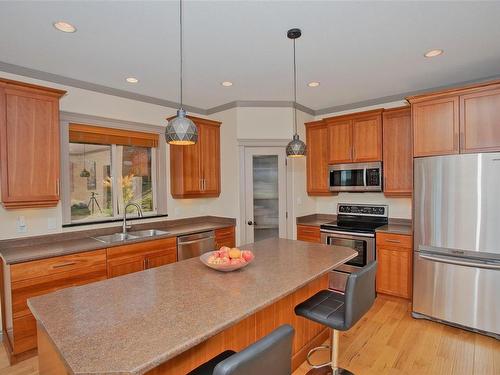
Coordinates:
[355,177]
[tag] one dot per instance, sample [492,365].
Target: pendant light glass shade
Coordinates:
[296,148]
[84,172]
[181,130]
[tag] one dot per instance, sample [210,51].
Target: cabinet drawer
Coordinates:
[74,263]
[141,248]
[308,233]
[394,240]
[24,289]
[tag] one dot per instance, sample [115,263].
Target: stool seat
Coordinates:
[325,307]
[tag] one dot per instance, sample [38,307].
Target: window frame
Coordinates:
[158,170]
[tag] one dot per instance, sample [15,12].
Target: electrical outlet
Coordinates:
[51,223]
[21,226]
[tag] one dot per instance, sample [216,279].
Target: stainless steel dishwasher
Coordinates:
[193,245]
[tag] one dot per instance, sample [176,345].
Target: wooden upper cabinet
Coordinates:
[465,119]
[435,127]
[398,160]
[367,138]
[195,169]
[317,158]
[480,121]
[339,141]
[355,137]
[29,145]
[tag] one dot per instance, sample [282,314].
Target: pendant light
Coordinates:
[181,130]
[296,148]
[84,172]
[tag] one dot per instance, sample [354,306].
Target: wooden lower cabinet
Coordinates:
[394,272]
[122,260]
[308,233]
[35,278]
[225,237]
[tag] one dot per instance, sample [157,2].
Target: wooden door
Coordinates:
[317,158]
[436,127]
[124,266]
[225,237]
[367,138]
[161,258]
[210,159]
[480,121]
[397,152]
[29,136]
[340,142]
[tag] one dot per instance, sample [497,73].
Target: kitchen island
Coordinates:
[170,319]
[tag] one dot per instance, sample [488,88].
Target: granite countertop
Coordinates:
[316,220]
[62,244]
[133,323]
[396,228]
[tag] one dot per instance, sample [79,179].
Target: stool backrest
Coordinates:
[359,293]
[270,355]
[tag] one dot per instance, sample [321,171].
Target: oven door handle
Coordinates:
[351,234]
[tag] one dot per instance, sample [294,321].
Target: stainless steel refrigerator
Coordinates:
[457,240]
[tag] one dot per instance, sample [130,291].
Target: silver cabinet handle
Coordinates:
[64,265]
[393,241]
[439,259]
[57,187]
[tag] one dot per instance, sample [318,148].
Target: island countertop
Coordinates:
[133,323]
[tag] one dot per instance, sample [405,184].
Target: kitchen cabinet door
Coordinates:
[210,160]
[397,152]
[317,158]
[125,266]
[29,145]
[394,271]
[161,258]
[367,139]
[225,237]
[436,127]
[308,233]
[480,121]
[195,169]
[340,142]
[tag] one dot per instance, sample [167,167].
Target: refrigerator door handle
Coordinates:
[449,260]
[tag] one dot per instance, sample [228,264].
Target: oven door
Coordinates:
[362,244]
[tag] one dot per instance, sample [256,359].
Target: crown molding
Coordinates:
[45,76]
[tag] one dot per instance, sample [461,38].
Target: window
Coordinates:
[104,178]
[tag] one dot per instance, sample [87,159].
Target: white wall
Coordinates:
[97,104]
[398,207]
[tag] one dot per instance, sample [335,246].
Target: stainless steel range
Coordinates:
[354,228]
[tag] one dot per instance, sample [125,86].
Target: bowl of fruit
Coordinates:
[227,259]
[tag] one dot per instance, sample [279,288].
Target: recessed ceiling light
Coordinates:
[132,80]
[313,84]
[434,53]
[64,27]
[226,83]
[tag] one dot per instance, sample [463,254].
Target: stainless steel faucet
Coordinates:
[139,212]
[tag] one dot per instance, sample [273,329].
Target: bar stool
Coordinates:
[339,312]
[270,355]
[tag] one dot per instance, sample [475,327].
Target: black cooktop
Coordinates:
[358,218]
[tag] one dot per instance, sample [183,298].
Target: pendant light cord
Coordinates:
[294,89]
[180,45]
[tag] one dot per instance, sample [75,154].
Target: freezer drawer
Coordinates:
[458,294]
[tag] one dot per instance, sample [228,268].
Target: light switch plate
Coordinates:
[51,223]
[21,226]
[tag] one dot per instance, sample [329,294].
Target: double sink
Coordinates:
[121,237]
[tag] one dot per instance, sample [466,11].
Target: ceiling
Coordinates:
[359,51]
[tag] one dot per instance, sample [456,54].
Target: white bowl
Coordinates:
[222,267]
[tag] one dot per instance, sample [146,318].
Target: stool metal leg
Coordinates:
[329,368]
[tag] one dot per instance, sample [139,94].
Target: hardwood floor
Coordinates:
[387,341]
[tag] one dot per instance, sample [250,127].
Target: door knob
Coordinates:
[250,222]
